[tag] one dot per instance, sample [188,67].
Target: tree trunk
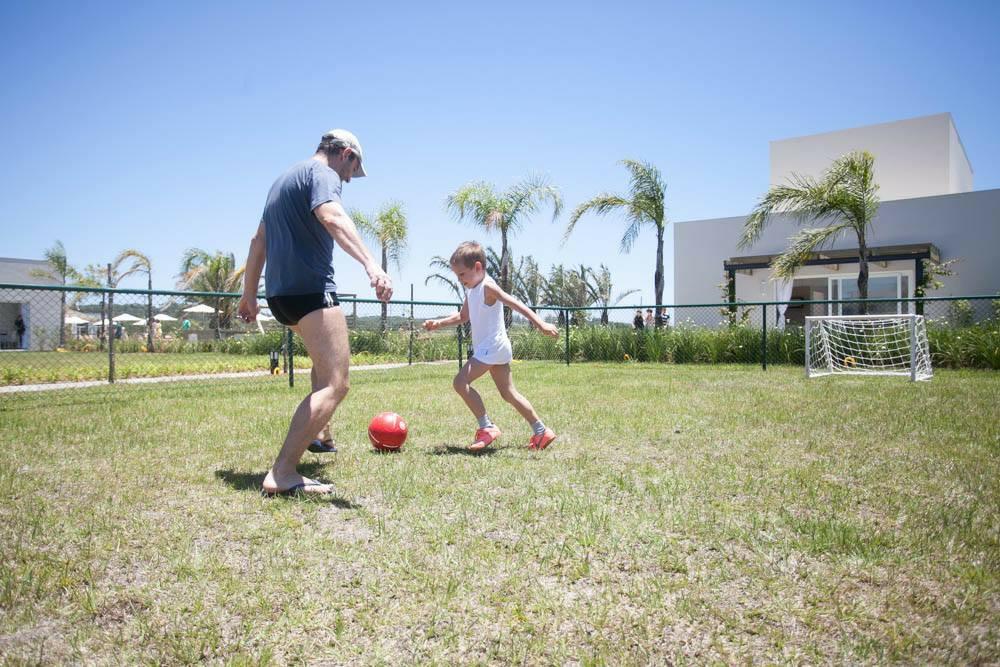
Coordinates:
[103,328]
[604,316]
[62,317]
[385,306]
[658,276]
[149,313]
[862,273]
[505,275]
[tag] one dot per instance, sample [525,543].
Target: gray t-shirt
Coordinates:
[299,249]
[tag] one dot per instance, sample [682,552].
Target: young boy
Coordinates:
[491,351]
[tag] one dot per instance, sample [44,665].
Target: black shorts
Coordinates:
[290,309]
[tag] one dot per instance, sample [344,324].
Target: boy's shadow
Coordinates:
[253,481]
[451,450]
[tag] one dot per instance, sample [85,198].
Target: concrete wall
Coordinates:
[917,157]
[965,226]
[960,171]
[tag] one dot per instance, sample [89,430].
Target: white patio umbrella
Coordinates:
[125,317]
[200,308]
[163,317]
[73,319]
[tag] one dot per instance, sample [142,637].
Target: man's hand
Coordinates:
[382,284]
[248,308]
[548,329]
[431,325]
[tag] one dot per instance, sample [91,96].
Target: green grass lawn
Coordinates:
[686,514]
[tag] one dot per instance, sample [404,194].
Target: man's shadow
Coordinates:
[253,481]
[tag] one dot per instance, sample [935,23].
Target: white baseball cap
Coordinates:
[345,138]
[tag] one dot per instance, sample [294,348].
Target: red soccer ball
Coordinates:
[387,431]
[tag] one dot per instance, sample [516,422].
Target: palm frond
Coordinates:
[803,245]
[602,204]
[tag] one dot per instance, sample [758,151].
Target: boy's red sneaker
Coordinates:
[542,440]
[484,437]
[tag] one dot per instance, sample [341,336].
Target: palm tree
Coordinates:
[202,272]
[140,264]
[59,271]
[529,281]
[481,204]
[388,229]
[845,197]
[643,206]
[565,287]
[598,285]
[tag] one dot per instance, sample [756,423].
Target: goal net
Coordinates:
[868,345]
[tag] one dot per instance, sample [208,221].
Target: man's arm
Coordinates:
[339,225]
[493,290]
[248,307]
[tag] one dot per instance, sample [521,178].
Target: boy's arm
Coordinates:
[450,320]
[493,290]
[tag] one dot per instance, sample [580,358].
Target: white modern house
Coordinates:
[38,310]
[928,211]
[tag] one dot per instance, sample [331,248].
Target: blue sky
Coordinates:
[162,126]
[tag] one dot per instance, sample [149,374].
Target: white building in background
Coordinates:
[928,211]
[39,310]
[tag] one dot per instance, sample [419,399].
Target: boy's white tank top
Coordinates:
[490,343]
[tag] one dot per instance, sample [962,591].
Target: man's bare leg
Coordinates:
[324,333]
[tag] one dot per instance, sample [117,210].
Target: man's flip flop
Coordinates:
[320,447]
[294,490]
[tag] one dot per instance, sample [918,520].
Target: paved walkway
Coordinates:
[52,386]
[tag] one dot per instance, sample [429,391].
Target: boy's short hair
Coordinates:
[467,254]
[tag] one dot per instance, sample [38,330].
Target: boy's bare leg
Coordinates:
[324,333]
[471,371]
[504,381]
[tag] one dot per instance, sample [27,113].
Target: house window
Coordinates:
[881,286]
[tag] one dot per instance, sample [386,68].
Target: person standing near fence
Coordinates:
[303,218]
[20,329]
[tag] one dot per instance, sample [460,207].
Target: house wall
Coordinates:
[917,157]
[40,310]
[964,226]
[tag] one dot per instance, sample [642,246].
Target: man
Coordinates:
[303,217]
[20,329]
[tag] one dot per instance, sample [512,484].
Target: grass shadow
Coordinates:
[452,450]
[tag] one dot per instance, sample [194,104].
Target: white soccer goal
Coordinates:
[868,345]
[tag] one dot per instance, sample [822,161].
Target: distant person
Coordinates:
[649,318]
[483,309]
[665,317]
[303,217]
[20,329]
[638,321]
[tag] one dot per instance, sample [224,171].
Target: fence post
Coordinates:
[411,325]
[913,348]
[110,331]
[566,321]
[291,359]
[763,338]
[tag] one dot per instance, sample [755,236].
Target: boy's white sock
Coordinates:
[484,421]
[538,427]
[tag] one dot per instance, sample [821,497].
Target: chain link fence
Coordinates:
[62,338]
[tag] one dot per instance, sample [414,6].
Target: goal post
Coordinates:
[867,345]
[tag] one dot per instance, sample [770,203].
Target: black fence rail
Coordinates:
[54,337]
